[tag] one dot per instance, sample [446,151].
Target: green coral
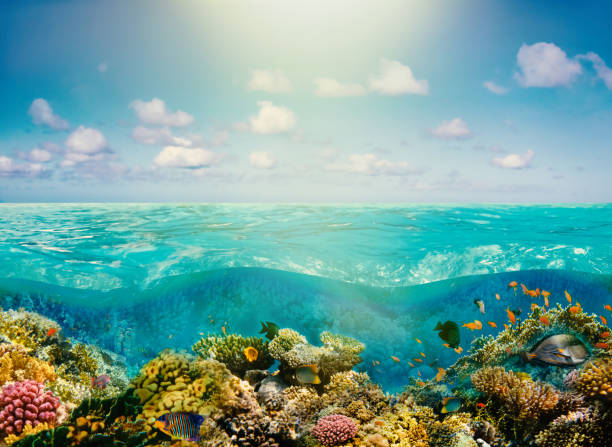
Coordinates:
[284,342]
[229,350]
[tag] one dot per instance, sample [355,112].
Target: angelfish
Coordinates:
[185,426]
[561,350]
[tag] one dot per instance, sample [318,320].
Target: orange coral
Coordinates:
[16,365]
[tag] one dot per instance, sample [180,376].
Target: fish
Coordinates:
[440,374]
[450,404]
[419,373]
[525,289]
[512,284]
[537,290]
[395,359]
[270,329]
[480,405]
[545,321]
[506,326]
[420,383]
[223,330]
[534,306]
[418,360]
[603,320]
[170,336]
[373,363]
[377,362]
[480,305]
[473,326]
[418,341]
[568,297]
[449,332]
[560,349]
[308,374]
[605,334]
[411,364]
[183,425]
[532,293]
[607,307]
[523,375]
[497,296]
[511,315]
[422,354]
[100,382]
[545,293]
[51,332]
[492,323]
[602,345]
[575,309]
[251,354]
[546,303]
[459,350]
[446,345]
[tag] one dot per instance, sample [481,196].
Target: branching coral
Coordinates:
[584,428]
[16,364]
[596,380]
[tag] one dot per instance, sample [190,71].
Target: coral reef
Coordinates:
[596,380]
[26,403]
[16,364]
[334,429]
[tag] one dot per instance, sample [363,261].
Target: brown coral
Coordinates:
[596,380]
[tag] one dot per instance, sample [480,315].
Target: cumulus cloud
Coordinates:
[455,129]
[182,157]
[38,155]
[331,88]
[159,136]
[84,144]
[8,168]
[544,64]
[262,160]
[42,114]
[102,67]
[514,161]
[372,164]
[271,81]
[603,71]
[154,112]
[494,88]
[272,119]
[394,78]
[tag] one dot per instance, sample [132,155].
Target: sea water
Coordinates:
[137,278]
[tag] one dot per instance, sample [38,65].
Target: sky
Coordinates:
[293,101]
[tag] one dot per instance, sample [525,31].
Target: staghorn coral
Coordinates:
[595,381]
[230,351]
[16,364]
[334,429]
[26,403]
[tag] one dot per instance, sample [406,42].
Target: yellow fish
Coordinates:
[251,354]
[308,374]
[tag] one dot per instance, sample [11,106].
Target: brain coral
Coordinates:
[334,429]
[24,403]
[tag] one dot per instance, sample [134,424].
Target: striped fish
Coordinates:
[185,426]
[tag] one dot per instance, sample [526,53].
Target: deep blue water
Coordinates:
[139,278]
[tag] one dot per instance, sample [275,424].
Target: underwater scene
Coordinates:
[305,325]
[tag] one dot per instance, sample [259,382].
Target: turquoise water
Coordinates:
[137,278]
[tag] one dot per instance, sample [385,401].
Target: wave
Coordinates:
[174,311]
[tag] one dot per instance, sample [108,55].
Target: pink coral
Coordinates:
[334,429]
[26,402]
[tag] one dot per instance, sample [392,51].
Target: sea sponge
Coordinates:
[23,403]
[595,381]
[334,429]
[230,351]
[16,364]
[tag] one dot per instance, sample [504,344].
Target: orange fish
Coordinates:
[574,309]
[476,325]
[417,360]
[251,354]
[607,307]
[534,306]
[223,330]
[446,345]
[419,373]
[480,405]
[545,293]
[422,354]
[459,350]
[532,293]
[170,336]
[545,321]
[497,296]
[537,291]
[491,323]
[418,341]
[440,374]
[546,303]
[511,315]
[602,345]
[568,297]
[604,334]
[373,363]
[420,383]
[377,362]
[51,332]
[506,326]
[512,284]
[525,289]
[603,320]
[411,364]
[395,359]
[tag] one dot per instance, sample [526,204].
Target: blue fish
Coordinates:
[185,426]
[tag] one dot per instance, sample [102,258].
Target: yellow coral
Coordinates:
[596,380]
[16,365]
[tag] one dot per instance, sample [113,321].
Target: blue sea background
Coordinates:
[137,278]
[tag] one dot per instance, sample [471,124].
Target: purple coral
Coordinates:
[334,429]
[26,402]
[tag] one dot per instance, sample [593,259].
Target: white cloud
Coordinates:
[272,119]
[372,164]
[161,136]
[102,67]
[271,81]
[42,113]
[545,65]
[331,88]
[514,161]
[86,140]
[155,112]
[182,157]
[9,168]
[455,129]
[395,78]
[262,160]
[494,88]
[219,138]
[39,156]
[602,70]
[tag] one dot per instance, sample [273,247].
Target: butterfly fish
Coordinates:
[184,426]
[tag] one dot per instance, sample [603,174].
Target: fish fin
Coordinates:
[444,410]
[317,380]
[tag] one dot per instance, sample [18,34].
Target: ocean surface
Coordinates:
[137,278]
